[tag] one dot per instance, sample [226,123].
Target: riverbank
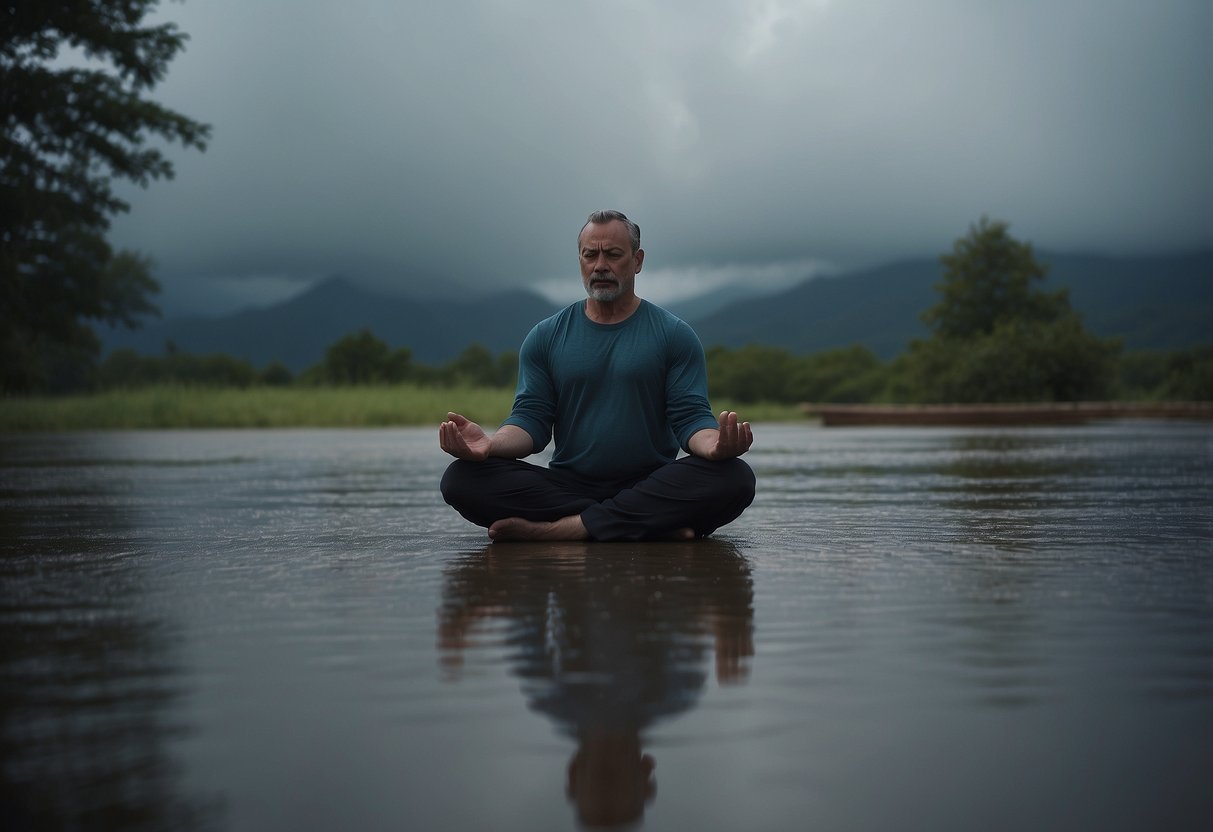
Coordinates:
[959,415]
[285,407]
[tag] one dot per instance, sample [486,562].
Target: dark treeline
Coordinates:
[854,375]
[746,375]
[359,358]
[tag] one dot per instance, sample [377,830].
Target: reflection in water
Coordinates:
[607,639]
[88,680]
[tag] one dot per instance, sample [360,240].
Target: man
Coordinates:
[622,385]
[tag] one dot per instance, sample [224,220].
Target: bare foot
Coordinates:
[679,534]
[515,528]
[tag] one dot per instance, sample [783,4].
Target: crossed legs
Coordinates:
[516,500]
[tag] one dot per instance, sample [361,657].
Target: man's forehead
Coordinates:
[595,235]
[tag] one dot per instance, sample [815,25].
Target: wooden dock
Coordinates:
[1051,413]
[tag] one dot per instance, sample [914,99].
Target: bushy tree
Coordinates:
[752,373]
[1189,375]
[67,133]
[998,337]
[276,374]
[507,369]
[756,373]
[126,369]
[1173,375]
[474,366]
[363,358]
[851,374]
[989,278]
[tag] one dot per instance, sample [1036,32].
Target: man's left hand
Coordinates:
[731,439]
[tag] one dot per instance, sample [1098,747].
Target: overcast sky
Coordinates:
[459,145]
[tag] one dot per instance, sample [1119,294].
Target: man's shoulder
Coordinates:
[559,318]
[666,319]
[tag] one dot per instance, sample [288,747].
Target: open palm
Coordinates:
[463,438]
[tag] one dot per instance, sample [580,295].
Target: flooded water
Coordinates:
[909,629]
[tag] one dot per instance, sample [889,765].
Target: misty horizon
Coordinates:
[662,286]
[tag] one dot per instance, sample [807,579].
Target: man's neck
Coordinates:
[611,312]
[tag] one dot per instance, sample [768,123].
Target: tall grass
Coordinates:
[283,407]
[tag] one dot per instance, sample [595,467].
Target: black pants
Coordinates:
[691,492]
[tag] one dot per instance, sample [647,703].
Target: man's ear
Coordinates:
[639,259]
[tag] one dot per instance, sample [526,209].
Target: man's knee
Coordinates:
[729,479]
[456,480]
[741,480]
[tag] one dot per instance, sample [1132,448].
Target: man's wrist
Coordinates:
[703,442]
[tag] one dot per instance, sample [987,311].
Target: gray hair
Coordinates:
[604,217]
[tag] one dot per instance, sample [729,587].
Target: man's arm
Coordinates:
[465,439]
[730,439]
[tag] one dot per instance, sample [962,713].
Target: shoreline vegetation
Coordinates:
[364,406]
[170,407]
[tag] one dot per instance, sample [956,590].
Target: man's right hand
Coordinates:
[463,439]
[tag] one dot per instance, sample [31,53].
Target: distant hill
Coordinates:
[877,308]
[297,331]
[1151,302]
[701,306]
[1162,302]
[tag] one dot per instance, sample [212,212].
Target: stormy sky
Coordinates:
[457,147]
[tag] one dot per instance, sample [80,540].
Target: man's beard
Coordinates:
[604,294]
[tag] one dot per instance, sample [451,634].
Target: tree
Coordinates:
[752,373]
[998,337]
[68,132]
[1175,375]
[276,374]
[989,278]
[476,366]
[355,359]
[362,358]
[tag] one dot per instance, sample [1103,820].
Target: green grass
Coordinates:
[284,407]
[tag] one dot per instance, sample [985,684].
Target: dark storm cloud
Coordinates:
[438,146]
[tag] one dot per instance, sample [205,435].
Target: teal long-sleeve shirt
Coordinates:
[620,399]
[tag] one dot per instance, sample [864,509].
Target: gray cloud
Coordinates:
[436,147]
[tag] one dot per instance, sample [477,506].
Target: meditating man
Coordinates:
[622,385]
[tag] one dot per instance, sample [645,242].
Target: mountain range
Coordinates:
[1150,302]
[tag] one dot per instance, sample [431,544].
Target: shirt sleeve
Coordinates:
[535,397]
[687,408]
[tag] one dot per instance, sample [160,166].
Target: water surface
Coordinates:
[909,629]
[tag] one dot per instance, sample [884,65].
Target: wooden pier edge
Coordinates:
[1049,413]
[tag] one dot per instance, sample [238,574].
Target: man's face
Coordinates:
[608,264]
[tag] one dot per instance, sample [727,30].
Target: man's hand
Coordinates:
[463,439]
[730,439]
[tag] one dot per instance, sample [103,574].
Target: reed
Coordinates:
[284,407]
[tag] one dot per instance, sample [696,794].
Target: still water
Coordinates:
[910,629]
